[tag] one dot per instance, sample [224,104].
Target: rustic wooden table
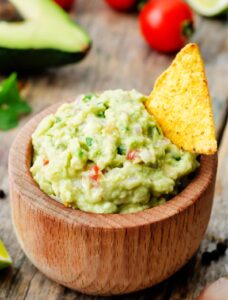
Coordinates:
[120,59]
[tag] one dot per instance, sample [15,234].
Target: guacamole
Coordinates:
[104,153]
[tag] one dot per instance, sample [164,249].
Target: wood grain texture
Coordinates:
[119,58]
[189,286]
[102,254]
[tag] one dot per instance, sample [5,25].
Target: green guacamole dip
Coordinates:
[105,153]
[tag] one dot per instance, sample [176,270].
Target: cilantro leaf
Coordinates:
[89,141]
[7,120]
[121,149]
[12,105]
[101,114]
[88,97]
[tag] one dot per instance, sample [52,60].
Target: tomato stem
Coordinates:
[141,4]
[188,28]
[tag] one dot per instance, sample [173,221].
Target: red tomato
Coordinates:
[122,5]
[132,154]
[65,4]
[45,162]
[95,170]
[166,24]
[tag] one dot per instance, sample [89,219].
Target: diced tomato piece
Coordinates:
[132,154]
[46,162]
[95,172]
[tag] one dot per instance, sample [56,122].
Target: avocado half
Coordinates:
[47,37]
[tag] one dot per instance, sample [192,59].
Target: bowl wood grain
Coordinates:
[106,254]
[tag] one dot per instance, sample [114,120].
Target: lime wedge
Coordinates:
[5,259]
[209,8]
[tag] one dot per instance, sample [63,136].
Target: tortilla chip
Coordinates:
[181,103]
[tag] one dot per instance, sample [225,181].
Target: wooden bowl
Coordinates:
[106,254]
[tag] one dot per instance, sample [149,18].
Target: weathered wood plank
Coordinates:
[192,283]
[119,59]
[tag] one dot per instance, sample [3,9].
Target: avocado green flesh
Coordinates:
[209,8]
[47,35]
[40,10]
[106,154]
[5,259]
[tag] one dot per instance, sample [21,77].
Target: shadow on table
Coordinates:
[5,274]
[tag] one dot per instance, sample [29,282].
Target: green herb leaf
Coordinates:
[80,153]
[57,119]
[11,103]
[153,132]
[101,114]
[121,150]
[88,97]
[89,141]
[8,120]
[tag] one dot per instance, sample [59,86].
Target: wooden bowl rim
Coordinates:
[20,176]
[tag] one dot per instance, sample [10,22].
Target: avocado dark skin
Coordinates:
[49,38]
[23,60]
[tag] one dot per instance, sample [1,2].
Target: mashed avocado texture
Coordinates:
[105,153]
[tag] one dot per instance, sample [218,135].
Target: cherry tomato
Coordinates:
[65,4]
[166,24]
[122,5]
[95,172]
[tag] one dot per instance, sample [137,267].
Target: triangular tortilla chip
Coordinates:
[181,103]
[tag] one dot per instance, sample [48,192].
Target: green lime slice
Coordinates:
[209,8]
[5,259]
